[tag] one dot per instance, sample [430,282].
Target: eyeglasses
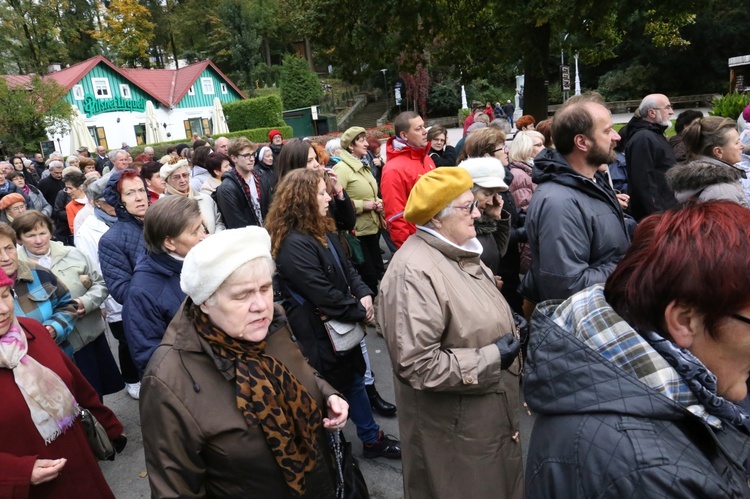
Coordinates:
[740,318]
[246,156]
[503,148]
[179,176]
[469,208]
[668,106]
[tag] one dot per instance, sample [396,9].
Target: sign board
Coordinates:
[398,94]
[565,78]
[92,105]
[314,110]
[47,147]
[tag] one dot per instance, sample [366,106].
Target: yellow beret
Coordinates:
[434,191]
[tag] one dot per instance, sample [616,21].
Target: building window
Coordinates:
[101,88]
[208,86]
[191,90]
[125,91]
[78,92]
[140,134]
[100,138]
[223,88]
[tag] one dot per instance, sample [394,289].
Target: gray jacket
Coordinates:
[707,179]
[602,432]
[576,230]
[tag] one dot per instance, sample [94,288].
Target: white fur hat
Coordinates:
[169,168]
[209,263]
[486,172]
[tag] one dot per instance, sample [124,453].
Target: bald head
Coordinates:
[221,145]
[656,108]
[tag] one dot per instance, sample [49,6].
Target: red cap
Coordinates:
[273,133]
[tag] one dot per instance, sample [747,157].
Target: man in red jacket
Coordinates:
[408,159]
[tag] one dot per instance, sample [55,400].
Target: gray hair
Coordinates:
[148,150]
[251,270]
[113,154]
[332,146]
[56,164]
[648,102]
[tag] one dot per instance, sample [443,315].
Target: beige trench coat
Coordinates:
[458,411]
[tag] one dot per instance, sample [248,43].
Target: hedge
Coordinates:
[254,113]
[258,135]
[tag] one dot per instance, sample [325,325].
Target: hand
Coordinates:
[370,205]
[498,282]
[81,309]
[46,470]
[366,302]
[509,347]
[338,413]
[624,200]
[377,161]
[379,207]
[52,331]
[494,207]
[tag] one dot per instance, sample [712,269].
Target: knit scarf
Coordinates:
[700,380]
[254,200]
[109,220]
[53,408]
[269,396]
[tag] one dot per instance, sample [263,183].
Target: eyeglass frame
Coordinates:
[740,318]
[470,209]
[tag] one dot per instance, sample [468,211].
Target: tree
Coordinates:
[36,34]
[300,87]
[28,113]
[127,32]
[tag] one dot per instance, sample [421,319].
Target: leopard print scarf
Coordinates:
[269,396]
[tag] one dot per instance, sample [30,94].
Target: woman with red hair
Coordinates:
[637,382]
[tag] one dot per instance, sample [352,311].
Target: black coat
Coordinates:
[603,433]
[309,269]
[49,187]
[648,156]
[446,157]
[235,206]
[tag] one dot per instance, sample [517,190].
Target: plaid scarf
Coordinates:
[254,200]
[269,396]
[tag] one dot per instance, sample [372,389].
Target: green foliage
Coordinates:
[27,113]
[254,113]
[128,32]
[730,106]
[629,84]
[300,87]
[264,75]
[257,135]
[462,115]
[444,98]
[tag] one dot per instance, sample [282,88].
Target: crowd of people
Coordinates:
[602,273]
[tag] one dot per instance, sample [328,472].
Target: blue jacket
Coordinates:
[152,301]
[121,246]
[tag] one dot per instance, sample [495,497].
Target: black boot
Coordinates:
[378,404]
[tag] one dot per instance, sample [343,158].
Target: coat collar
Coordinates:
[467,260]
[351,161]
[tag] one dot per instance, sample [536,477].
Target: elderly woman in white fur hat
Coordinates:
[177,177]
[493,227]
[233,408]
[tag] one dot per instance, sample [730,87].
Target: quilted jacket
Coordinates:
[153,300]
[602,432]
[121,246]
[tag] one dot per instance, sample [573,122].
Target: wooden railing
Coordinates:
[629,106]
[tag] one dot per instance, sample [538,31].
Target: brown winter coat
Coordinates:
[196,441]
[457,410]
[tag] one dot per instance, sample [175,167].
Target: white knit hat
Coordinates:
[168,169]
[486,172]
[209,263]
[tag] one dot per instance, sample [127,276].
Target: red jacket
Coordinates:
[21,444]
[401,172]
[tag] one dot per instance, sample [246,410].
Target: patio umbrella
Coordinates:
[219,121]
[153,131]
[79,134]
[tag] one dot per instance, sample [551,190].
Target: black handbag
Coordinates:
[100,443]
[350,483]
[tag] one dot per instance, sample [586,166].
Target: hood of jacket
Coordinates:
[636,124]
[701,173]
[160,263]
[568,372]
[396,147]
[112,197]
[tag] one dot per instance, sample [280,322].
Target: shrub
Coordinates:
[300,87]
[462,115]
[730,106]
[254,113]
[629,84]
[444,98]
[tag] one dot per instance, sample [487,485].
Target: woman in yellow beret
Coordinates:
[452,341]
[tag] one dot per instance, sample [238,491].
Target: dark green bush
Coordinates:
[258,135]
[444,98]
[254,113]
[300,87]
[629,84]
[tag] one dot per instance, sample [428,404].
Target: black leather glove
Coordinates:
[521,235]
[509,347]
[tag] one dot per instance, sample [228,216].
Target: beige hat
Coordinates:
[169,169]
[486,172]
[349,135]
[209,263]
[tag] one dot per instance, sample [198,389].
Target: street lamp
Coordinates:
[578,80]
[385,86]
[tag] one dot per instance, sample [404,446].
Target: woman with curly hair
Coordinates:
[319,283]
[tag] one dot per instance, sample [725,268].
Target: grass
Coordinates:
[669,133]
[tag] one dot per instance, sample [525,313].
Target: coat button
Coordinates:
[469,380]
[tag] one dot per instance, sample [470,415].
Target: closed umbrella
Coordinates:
[153,132]
[219,121]
[79,134]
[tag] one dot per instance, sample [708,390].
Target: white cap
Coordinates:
[486,172]
[209,263]
[169,168]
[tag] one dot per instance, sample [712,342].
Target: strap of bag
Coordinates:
[338,262]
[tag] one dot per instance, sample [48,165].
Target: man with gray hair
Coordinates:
[120,160]
[53,183]
[649,156]
[149,151]
[102,161]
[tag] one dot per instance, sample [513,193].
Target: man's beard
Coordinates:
[598,156]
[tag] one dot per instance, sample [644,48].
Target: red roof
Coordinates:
[168,86]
